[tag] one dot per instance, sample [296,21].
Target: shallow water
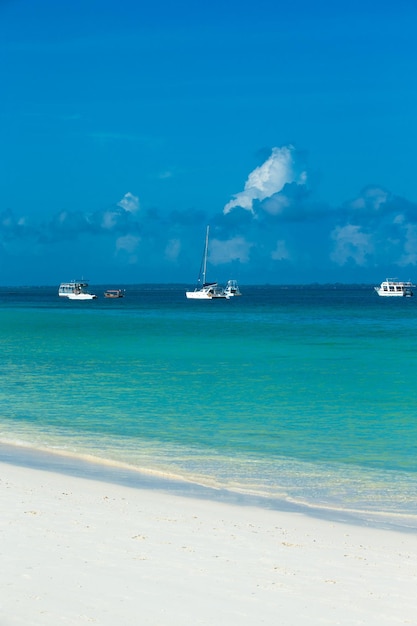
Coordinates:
[303,394]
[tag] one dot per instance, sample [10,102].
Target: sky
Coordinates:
[127,127]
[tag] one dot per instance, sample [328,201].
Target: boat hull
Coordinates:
[80,296]
[386,294]
[197,295]
[203,295]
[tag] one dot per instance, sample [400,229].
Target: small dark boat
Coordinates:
[114,293]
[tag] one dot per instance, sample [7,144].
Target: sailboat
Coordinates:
[205,291]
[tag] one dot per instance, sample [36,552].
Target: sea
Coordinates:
[300,398]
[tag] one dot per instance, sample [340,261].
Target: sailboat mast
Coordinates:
[205,255]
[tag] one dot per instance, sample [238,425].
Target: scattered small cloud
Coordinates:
[12,227]
[109,220]
[409,256]
[172,250]
[372,199]
[128,245]
[129,203]
[280,253]
[165,175]
[351,243]
[235,249]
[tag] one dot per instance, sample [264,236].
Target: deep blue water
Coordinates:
[306,394]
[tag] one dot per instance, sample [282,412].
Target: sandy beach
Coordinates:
[80,551]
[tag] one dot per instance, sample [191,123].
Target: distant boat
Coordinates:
[391,287]
[204,290]
[232,289]
[76,290]
[114,293]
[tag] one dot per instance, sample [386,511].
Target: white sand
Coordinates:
[76,551]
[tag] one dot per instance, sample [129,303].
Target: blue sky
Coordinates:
[126,128]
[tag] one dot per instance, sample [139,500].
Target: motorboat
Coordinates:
[231,289]
[392,287]
[75,290]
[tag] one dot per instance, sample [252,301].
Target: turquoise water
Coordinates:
[304,394]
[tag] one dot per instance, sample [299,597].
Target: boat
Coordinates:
[231,289]
[392,287]
[75,290]
[114,293]
[204,290]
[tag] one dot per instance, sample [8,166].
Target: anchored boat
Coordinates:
[232,289]
[391,287]
[204,290]
[114,293]
[76,290]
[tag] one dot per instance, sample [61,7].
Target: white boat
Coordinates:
[392,287]
[232,289]
[205,291]
[75,290]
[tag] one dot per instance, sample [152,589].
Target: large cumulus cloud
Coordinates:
[268,180]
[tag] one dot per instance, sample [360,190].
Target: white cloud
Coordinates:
[351,243]
[7,221]
[164,175]
[235,249]
[173,249]
[129,245]
[281,251]
[267,179]
[410,246]
[373,198]
[129,203]
[277,204]
[109,220]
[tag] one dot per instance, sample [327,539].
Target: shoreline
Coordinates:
[94,468]
[79,550]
